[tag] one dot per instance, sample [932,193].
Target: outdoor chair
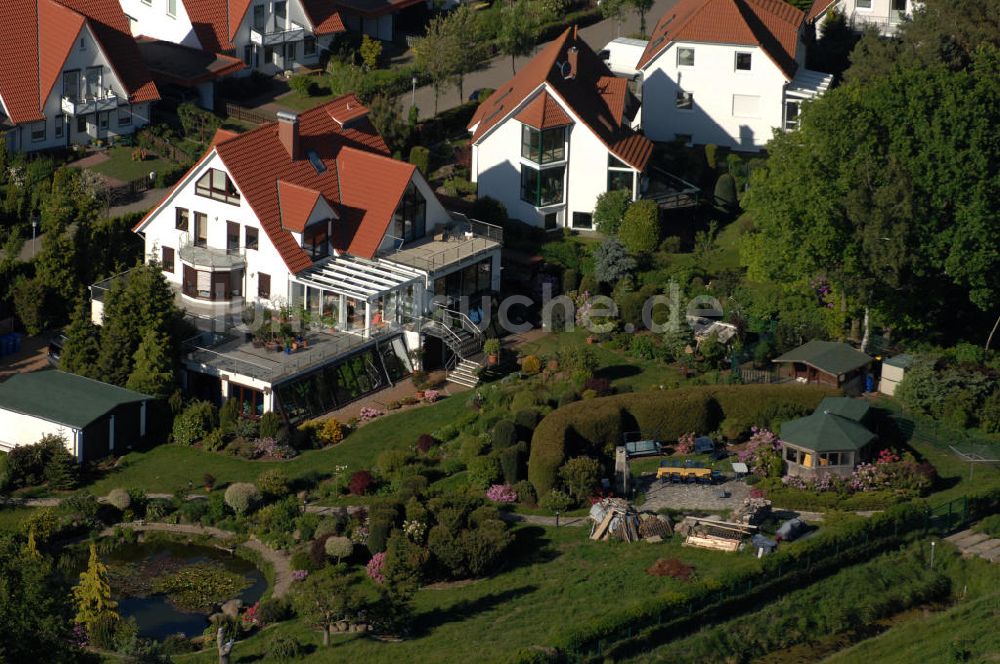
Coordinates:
[691,479]
[676,478]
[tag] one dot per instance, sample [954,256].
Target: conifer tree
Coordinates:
[154,372]
[93,594]
[81,348]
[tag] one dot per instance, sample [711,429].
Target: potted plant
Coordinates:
[330,323]
[492,350]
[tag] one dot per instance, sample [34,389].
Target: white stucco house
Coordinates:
[728,72]
[557,135]
[884,15]
[72,74]
[267,35]
[315,264]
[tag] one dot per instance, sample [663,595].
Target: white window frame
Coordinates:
[685,48]
[858,5]
[172,8]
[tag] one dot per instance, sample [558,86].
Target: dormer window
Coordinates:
[316,239]
[215,184]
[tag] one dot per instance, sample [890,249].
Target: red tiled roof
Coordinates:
[40,34]
[222,135]
[358,179]
[590,91]
[346,109]
[371,187]
[543,112]
[773,25]
[297,204]
[210,21]
[324,17]
[237,10]
[819,7]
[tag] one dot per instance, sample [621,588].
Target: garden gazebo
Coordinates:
[831,441]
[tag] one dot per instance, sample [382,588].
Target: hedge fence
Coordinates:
[670,615]
[595,426]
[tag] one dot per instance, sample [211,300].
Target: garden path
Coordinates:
[971,543]
[280,562]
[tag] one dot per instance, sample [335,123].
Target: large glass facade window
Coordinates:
[618,179]
[215,184]
[316,240]
[251,401]
[543,146]
[410,218]
[542,187]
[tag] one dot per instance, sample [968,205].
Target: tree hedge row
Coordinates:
[595,426]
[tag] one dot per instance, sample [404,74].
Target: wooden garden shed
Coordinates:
[826,363]
[831,441]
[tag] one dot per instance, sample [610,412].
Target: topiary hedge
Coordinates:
[595,426]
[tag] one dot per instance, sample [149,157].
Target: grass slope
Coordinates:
[166,468]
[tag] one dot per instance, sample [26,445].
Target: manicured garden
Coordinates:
[128,163]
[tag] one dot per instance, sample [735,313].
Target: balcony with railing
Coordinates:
[263,37]
[463,239]
[886,25]
[103,100]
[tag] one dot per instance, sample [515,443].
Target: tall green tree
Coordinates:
[81,347]
[465,27]
[520,26]
[327,597]
[438,54]
[641,7]
[93,594]
[154,368]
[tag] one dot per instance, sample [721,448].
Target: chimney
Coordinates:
[288,133]
[571,61]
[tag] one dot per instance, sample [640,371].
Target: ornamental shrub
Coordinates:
[530,365]
[556,501]
[725,193]
[6,476]
[425,442]
[273,483]
[242,497]
[611,262]
[360,483]
[610,210]
[640,229]
[504,434]
[270,422]
[303,84]
[119,499]
[484,471]
[194,423]
[282,648]
[331,433]
[581,475]
[421,158]
[338,548]
[524,399]
[525,420]
[510,462]
[501,493]
[228,415]
[526,493]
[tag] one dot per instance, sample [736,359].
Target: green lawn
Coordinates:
[300,102]
[121,166]
[167,468]
[11,517]
[555,579]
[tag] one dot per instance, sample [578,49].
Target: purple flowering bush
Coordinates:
[368,413]
[762,453]
[501,493]
[300,574]
[376,568]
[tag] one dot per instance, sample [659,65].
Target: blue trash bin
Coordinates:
[870,383]
[15,342]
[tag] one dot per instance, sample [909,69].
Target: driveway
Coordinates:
[498,71]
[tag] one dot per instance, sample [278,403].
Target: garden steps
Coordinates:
[971,543]
[465,374]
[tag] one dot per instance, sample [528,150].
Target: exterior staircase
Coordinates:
[464,339]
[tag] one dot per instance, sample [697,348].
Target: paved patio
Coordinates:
[706,497]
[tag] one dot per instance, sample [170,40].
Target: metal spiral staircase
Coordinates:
[463,338]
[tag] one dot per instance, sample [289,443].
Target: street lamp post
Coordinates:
[34,231]
[932,553]
[413,92]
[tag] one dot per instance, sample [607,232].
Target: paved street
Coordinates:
[499,69]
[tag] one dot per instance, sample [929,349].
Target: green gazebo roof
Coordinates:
[855,410]
[826,432]
[830,357]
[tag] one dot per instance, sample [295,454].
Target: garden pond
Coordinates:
[173,587]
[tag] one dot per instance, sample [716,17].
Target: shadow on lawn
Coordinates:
[427,622]
[530,547]
[618,371]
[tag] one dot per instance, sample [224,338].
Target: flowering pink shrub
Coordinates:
[761,453]
[685,444]
[430,396]
[268,448]
[888,455]
[250,617]
[501,493]
[368,413]
[300,574]
[375,568]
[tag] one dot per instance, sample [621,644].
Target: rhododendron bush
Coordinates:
[501,493]
[762,453]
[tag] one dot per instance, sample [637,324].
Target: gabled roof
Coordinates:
[63,398]
[297,204]
[185,66]
[826,432]
[346,110]
[543,112]
[773,25]
[830,357]
[40,35]
[587,88]
[356,177]
[819,8]
[374,8]
[216,22]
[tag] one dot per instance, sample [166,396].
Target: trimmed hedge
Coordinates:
[595,426]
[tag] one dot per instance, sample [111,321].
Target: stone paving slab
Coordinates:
[660,494]
[983,547]
[960,535]
[970,540]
